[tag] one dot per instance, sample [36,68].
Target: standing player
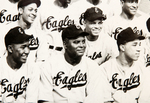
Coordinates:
[99,46]
[124,74]
[71,77]
[53,22]
[18,79]
[122,21]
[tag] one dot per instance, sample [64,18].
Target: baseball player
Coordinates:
[28,10]
[122,21]
[124,74]
[18,79]
[71,77]
[8,13]
[53,22]
[99,46]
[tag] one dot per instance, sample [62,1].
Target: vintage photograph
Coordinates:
[74,51]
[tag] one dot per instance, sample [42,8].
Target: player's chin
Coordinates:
[96,33]
[80,53]
[23,59]
[136,58]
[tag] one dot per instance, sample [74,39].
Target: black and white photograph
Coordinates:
[74,51]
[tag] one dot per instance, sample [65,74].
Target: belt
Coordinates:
[56,48]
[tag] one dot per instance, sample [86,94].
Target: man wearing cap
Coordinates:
[71,77]
[126,18]
[28,21]
[18,79]
[99,46]
[124,74]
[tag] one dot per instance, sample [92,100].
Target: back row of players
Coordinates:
[65,75]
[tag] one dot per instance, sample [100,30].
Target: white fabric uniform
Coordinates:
[123,86]
[145,94]
[116,24]
[9,13]
[53,22]
[101,49]
[62,82]
[38,45]
[19,86]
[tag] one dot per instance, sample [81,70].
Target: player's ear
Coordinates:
[84,23]
[122,47]
[10,48]
[65,42]
[20,10]
[121,2]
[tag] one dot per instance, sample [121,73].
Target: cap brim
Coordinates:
[96,17]
[141,37]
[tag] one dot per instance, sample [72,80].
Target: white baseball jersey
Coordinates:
[101,49]
[145,95]
[54,22]
[62,82]
[19,86]
[38,44]
[116,24]
[8,13]
[123,86]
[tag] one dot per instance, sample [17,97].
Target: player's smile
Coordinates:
[24,57]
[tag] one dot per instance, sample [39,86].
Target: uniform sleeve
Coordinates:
[94,86]
[33,86]
[43,51]
[46,85]
[106,86]
[145,95]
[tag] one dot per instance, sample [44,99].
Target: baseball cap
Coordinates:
[16,35]
[72,32]
[128,35]
[94,13]
[148,24]
[23,3]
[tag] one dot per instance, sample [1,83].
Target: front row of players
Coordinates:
[72,77]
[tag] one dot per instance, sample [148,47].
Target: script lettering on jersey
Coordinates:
[119,29]
[14,90]
[34,43]
[56,25]
[9,17]
[95,55]
[128,84]
[78,80]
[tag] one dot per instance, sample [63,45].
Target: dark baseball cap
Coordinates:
[72,32]
[148,24]
[23,3]
[94,13]
[16,35]
[128,35]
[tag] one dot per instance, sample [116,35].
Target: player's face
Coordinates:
[93,27]
[130,8]
[20,52]
[132,50]
[76,47]
[29,13]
